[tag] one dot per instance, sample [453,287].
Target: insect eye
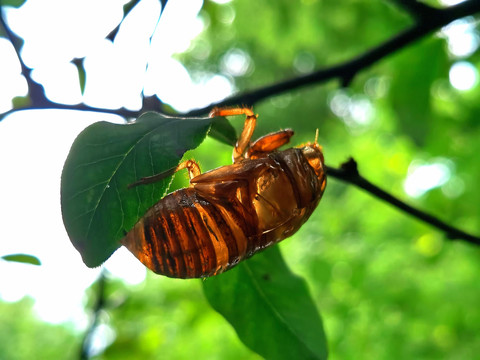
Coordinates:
[313,154]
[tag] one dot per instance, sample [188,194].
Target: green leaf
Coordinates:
[129,6]
[82,76]
[98,208]
[270,308]
[13,3]
[19,102]
[22,258]
[223,131]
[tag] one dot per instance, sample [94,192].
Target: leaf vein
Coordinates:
[145,135]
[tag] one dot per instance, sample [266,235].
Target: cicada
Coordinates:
[230,213]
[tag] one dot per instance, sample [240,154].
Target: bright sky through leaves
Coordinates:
[463,75]
[115,76]
[423,177]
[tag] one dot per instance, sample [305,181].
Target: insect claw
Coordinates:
[213,112]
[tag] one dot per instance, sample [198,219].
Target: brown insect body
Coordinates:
[230,213]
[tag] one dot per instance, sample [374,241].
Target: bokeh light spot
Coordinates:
[428,245]
[423,177]
[463,75]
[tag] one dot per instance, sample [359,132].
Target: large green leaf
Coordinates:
[97,206]
[270,308]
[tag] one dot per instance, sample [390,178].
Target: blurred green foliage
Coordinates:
[167,319]
[23,336]
[387,286]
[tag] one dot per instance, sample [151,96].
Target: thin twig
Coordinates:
[123,112]
[86,347]
[348,172]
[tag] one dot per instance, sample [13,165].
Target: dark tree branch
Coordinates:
[123,112]
[418,10]
[348,172]
[346,71]
[428,20]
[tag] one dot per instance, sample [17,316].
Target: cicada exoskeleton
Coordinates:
[230,213]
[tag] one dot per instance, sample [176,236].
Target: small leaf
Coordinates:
[270,308]
[22,258]
[82,75]
[97,207]
[19,102]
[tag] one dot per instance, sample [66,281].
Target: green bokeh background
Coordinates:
[387,285]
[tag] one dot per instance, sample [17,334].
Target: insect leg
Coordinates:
[268,143]
[191,166]
[248,128]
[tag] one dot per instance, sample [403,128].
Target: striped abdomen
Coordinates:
[186,236]
[229,214]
